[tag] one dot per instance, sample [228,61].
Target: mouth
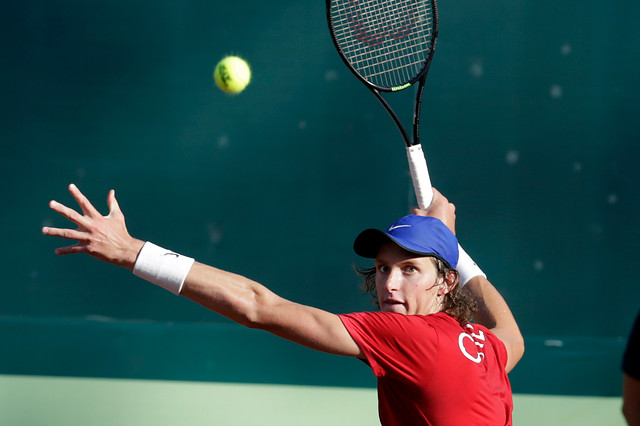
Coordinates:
[391,304]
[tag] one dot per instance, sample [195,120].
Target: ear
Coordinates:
[448,283]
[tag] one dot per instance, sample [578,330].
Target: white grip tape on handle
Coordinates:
[162,267]
[420,176]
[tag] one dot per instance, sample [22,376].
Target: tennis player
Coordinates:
[433,366]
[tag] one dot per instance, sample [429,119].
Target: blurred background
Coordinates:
[529,124]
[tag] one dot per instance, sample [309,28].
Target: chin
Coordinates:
[394,308]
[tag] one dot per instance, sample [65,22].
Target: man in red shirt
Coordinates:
[433,367]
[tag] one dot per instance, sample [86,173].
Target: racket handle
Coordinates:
[467,268]
[420,176]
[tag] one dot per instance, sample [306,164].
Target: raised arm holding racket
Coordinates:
[389,45]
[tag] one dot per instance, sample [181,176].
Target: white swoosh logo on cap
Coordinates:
[398,226]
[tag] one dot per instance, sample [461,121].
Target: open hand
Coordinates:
[104,237]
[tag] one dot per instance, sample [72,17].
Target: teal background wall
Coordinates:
[529,123]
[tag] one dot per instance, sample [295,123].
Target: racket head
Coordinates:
[387,44]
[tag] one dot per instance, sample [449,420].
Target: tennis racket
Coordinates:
[389,45]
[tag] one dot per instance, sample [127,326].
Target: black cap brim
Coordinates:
[368,243]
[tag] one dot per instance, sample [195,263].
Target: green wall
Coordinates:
[529,123]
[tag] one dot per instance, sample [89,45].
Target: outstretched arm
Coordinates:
[236,297]
[493,312]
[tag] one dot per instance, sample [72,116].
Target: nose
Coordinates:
[391,281]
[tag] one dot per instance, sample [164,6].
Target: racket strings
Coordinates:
[388,42]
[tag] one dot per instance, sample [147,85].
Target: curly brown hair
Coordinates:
[457,303]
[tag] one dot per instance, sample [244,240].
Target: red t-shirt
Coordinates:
[433,371]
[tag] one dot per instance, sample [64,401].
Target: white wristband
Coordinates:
[162,267]
[467,268]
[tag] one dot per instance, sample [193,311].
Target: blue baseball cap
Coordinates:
[422,235]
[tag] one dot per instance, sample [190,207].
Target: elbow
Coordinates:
[257,313]
[256,321]
[516,351]
[248,321]
[519,348]
[250,316]
[517,345]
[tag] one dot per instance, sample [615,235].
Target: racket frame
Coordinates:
[415,155]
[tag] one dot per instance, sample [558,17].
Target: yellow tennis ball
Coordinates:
[232,74]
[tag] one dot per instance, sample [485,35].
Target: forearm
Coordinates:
[494,313]
[493,310]
[228,294]
[231,295]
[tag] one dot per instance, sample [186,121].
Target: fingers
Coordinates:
[83,202]
[69,213]
[83,221]
[416,211]
[439,198]
[90,212]
[67,234]
[76,248]
[97,235]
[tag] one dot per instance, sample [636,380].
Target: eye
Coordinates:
[383,269]
[409,269]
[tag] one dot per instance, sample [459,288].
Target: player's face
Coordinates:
[405,282]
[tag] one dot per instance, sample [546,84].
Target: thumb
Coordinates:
[114,207]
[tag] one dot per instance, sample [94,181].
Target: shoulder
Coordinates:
[392,342]
[397,324]
[393,318]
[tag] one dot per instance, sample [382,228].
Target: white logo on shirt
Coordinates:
[477,339]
